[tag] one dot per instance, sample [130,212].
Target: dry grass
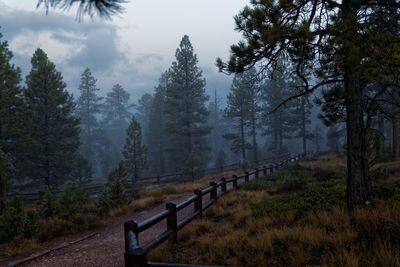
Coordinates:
[330,162]
[230,235]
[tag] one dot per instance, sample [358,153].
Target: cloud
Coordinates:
[99,45]
[73,46]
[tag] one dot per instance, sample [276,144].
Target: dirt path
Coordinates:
[107,247]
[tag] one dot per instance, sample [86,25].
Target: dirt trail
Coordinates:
[107,247]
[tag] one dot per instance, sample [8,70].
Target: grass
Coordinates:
[265,224]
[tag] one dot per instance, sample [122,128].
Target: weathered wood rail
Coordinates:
[136,254]
[94,190]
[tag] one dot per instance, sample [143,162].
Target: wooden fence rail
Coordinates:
[95,190]
[136,254]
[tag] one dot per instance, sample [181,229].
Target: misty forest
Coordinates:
[304,139]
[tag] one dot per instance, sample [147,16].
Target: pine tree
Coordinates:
[156,141]
[279,122]
[116,117]
[135,152]
[55,130]
[333,138]
[143,107]
[238,109]
[219,125]
[331,50]
[81,173]
[88,108]
[14,138]
[5,180]
[186,110]
[317,138]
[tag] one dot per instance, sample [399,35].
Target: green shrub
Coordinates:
[47,206]
[72,201]
[315,198]
[12,221]
[113,194]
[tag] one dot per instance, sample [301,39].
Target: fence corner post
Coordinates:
[246,177]
[198,203]
[256,173]
[172,222]
[134,255]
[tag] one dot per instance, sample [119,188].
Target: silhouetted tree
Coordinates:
[55,130]
[186,110]
[135,152]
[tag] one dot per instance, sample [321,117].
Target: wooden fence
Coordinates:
[95,190]
[136,254]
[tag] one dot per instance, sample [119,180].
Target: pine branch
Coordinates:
[104,8]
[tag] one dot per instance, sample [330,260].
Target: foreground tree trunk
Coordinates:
[396,136]
[357,168]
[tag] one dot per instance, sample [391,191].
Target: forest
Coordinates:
[310,77]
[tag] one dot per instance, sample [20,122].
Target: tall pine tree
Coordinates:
[186,110]
[88,108]
[116,118]
[55,130]
[156,141]
[240,110]
[14,138]
[135,152]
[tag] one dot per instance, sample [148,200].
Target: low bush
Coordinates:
[72,201]
[12,221]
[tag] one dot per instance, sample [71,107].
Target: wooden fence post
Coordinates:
[264,170]
[223,187]
[213,193]
[256,173]
[235,181]
[246,177]
[198,203]
[172,222]
[134,256]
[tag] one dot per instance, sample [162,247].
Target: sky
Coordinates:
[132,49]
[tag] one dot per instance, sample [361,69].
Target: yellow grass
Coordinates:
[228,235]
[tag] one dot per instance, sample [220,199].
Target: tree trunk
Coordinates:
[303,126]
[357,167]
[396,136]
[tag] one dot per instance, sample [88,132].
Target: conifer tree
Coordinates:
[219,125]
[135,152]
[5,180]
[55,130]
[186,110]
[14,138]
[279,122]
[339,43]
[241,110]
[117,116]
[88,107]
[156,141]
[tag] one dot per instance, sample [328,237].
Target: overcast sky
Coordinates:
[132,49]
